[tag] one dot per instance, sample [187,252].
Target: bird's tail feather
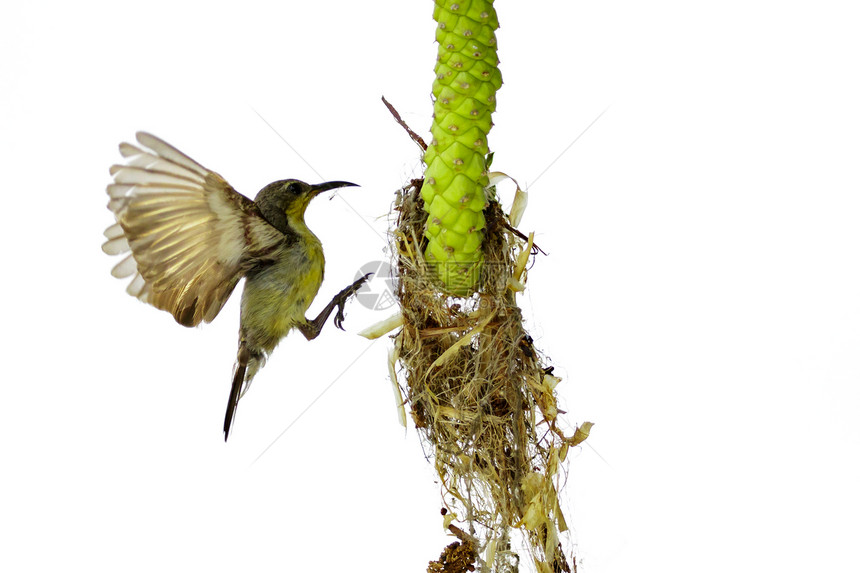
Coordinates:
[235,393]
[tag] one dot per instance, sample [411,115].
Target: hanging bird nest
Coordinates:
[480,394]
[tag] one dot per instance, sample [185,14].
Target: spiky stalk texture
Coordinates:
[464,91]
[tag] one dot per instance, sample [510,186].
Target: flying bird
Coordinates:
[187,237]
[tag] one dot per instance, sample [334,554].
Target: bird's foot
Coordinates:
[343,296]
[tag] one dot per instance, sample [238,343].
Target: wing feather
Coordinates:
[185,228]
[114,231]
[170,153]
[136,286]
[125,268]
[145,175]
[116,246]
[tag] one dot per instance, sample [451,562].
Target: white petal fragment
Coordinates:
[393,355]
[521,201]
[382,327]
[521,198]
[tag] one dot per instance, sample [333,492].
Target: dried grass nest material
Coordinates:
[481,395]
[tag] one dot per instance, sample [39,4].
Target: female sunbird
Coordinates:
[190,237]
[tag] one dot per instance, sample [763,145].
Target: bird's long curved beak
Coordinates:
[321,187]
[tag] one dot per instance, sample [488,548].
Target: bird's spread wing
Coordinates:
[182,226]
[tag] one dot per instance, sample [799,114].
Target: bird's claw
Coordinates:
[339,317]
[344,295]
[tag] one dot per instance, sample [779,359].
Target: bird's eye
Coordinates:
[294,188]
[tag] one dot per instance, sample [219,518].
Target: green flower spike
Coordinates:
[467,78]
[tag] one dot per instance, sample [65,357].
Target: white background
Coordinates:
[701,297]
